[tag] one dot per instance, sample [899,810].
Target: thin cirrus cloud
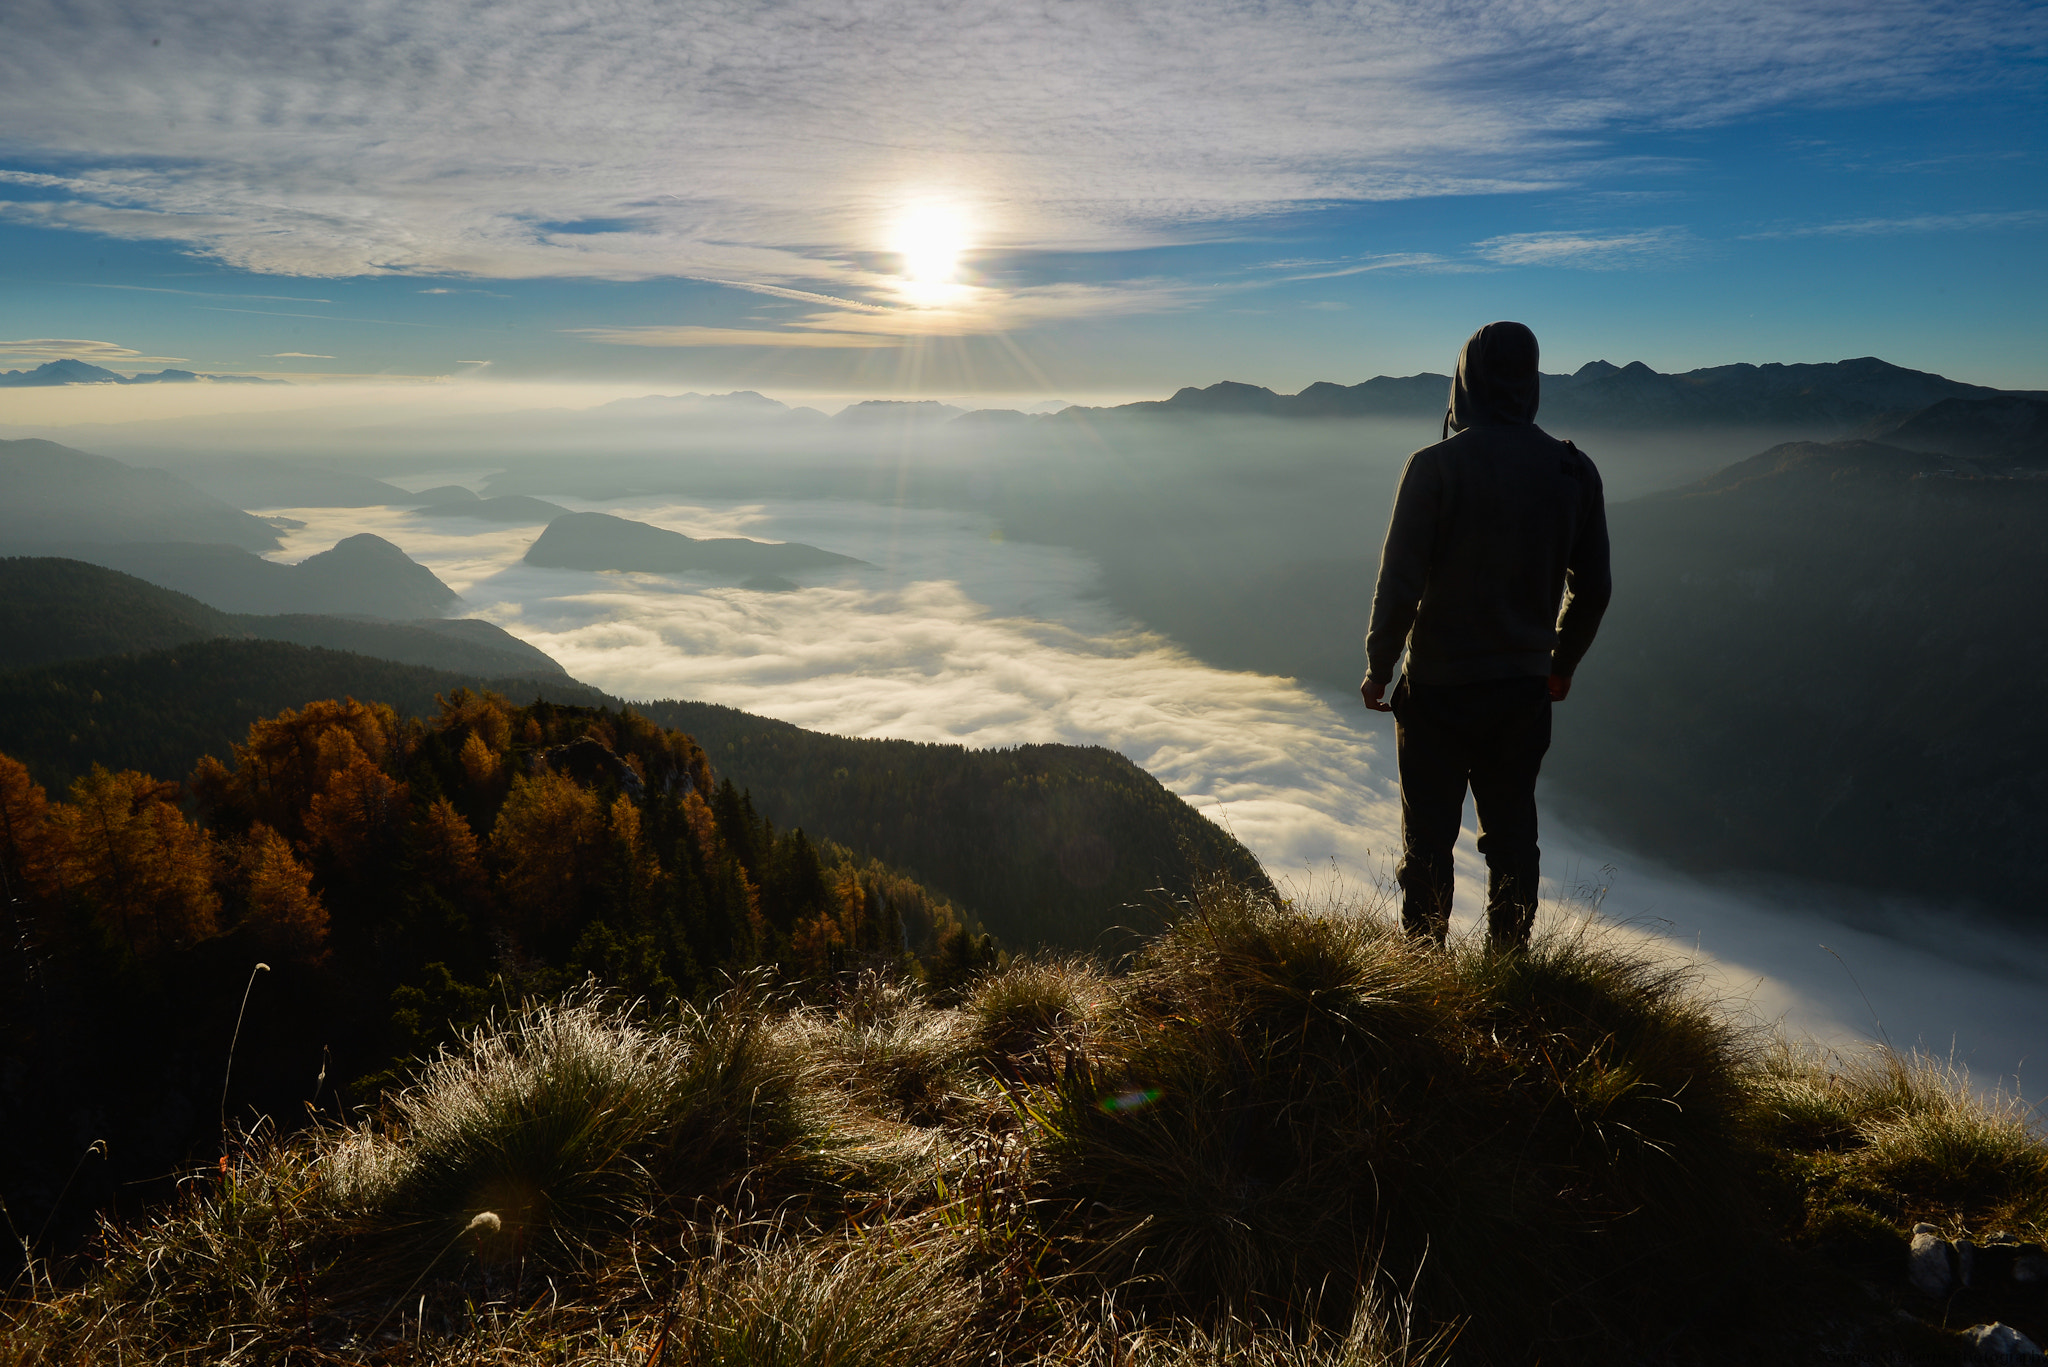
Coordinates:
[771,143]
[1914,223]
[1589,251]
[949,311]
[36,350]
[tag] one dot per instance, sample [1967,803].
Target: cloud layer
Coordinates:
[771,142]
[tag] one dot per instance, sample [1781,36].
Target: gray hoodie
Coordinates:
[1494,529]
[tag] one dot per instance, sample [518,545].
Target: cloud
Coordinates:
[299,356]
[1917,223]
[323,317]
[776,142]
[685,336]
[1392,262]
[36,350]
[1588,251]
[208,294]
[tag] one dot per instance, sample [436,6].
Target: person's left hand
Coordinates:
[1374,692]
[1560,687]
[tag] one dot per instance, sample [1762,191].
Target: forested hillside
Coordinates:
[395,879]
[1049,844]
[160,711]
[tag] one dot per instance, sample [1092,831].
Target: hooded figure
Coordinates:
[1492,580]
[1496,381]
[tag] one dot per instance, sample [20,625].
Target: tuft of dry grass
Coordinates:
[1905,1137]
[1281,1139]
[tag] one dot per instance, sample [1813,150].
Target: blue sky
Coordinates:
[1063,199]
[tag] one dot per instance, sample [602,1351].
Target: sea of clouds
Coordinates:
[957,635]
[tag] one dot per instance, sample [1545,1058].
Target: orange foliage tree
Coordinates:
[145,872]
[281,909]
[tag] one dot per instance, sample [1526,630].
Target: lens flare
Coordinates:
[1130,1101]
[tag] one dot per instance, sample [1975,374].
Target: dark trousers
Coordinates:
[1491,736]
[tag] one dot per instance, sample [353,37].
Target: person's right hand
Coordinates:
[1374,692]
[1560,685]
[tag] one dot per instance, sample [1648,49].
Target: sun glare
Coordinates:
[929,241]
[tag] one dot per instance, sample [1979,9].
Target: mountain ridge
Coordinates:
[1860,390]
[70,371]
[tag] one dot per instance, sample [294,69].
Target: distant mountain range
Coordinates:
[81,372]
[1852,395]
[53,610]
[55,500]
[599,541]
[52,495]
[1842,394]
[363,575]
[514,509]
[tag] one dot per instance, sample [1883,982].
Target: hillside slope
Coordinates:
[1825,661]
[53,495]
[54,609]
[362,574]
[1045,844]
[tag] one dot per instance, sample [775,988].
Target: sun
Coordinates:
[929,240]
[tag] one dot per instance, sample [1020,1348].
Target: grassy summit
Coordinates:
[1277,1138]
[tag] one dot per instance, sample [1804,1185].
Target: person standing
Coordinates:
[1493,579]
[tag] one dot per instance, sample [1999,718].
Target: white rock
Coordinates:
[1927,1263]
[2001,1340]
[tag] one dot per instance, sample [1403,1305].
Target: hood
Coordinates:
[1497,381]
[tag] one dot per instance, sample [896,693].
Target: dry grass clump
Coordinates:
[1028,1017]
[833,1302]
[1281,1139]
[1280,1102]
[1906,1138]
[229,1265]
[568,1121]
[892,1054]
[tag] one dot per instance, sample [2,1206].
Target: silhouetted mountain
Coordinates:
[2007,430]
[993,417]
[256,482]
[513,509]
[740,405]
[440,494]
[1825,661]
[599,541]
[80,372]
[916,411]
[1840,394]
[52,495]
[58,372]
[53,610]
[362,574]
